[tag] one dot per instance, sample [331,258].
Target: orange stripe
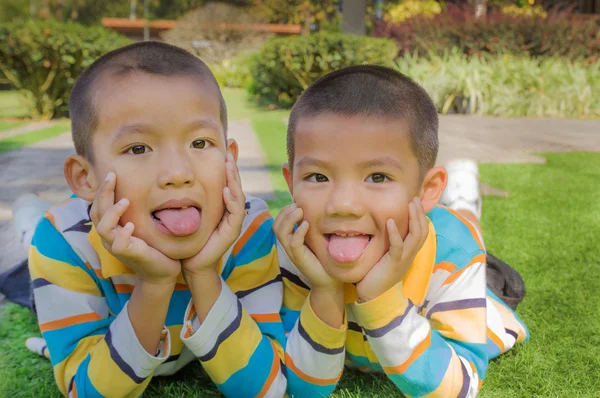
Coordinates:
[496,340]
[257,222]
[181,286]
[123,288]
[96,271]
[69,321]
[416,353]
[74,389]
[50,217]
[313,380]
[480,383]
[445,265]
[469,225]
[480,258]
[266,317]
[275,368]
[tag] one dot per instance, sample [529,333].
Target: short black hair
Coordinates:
[149,57]
[370,90]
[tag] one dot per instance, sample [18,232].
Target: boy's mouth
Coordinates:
[347,246]
[180,217]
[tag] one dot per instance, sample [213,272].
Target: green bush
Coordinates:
[43,59]
[285,67]
[234,73]
[558,35]
[508,85]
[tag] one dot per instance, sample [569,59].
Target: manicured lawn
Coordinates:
[548,229]
[21,140]
[10,124]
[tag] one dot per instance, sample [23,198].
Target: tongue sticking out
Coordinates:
[346,249]
[180,222]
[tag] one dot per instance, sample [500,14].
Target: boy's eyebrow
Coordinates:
[141,128]
[203,124]
[308,161]
[383,161]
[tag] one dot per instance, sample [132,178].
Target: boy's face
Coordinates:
[163,138]
[350,175]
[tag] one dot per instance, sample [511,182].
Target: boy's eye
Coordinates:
[377,178]
[316,177]
[138,149]
[199,144]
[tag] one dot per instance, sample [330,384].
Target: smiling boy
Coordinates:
[159,259]
[379,271]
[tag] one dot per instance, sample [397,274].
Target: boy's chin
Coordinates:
[181,251]
[349,275]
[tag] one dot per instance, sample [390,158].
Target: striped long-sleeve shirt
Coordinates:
[432,334]
[81,293]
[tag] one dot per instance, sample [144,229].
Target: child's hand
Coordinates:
[392,267]
[229,228]
[148,263]
[293,243]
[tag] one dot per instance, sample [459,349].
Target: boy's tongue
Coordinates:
[346,249]
[180,222]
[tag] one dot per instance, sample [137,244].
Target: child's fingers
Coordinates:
[234,180]
[105,197]
[280,225]
[422,220]
[290,222]
[107,226]
[297,240]
[122,242]
[411,243]
[233,205]
[396,242]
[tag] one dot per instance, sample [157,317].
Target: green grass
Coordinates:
[21,140]
[9,124]
[13,105]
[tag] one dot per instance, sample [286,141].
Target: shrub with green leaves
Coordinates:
[558,35]
[43,59]
[286,66]
[509,85]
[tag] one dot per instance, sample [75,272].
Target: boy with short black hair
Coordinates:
[159,259]
[381,273]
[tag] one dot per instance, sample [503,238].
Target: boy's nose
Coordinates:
[345,201]
[176,172]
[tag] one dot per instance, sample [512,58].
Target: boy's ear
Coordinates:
[80,177]
[434,184]
[232,147]
[287,174]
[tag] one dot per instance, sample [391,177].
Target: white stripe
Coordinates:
[220,316]
[54,302]
[127,345]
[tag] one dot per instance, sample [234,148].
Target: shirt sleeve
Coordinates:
[438,350]
[94,353]
[240,342]
[315,352]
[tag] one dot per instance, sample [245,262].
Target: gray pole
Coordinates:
[146,23]
[353,17]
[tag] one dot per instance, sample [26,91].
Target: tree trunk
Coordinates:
[353,17]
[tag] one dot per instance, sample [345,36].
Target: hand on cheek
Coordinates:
[148,263]
[392,267]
